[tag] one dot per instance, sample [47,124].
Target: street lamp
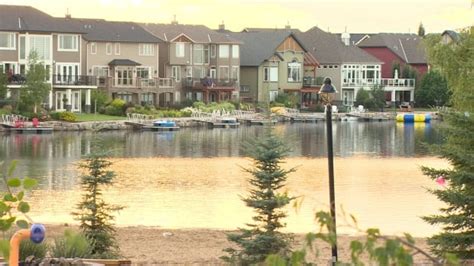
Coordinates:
[326,92]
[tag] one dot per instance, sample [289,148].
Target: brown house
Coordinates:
[203,64]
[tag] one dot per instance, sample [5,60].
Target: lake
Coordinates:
[193,178]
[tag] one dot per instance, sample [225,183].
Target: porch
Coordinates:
[211,90]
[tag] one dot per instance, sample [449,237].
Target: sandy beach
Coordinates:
[158,246]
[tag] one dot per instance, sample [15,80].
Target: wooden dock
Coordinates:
[257,122]
[148,126]
[369,117]
[33,130]
[217,124]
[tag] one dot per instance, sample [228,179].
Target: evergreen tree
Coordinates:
[421,30]
[433,90]
[456,63]
[35,89]
[93,213]
[262,238]
[3,85]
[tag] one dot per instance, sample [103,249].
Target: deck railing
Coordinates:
[74,80]
[135,83]
[199,83]
[386,82]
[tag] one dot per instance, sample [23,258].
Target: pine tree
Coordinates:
[262,238]
[421,30]
[456,63]
[94,214]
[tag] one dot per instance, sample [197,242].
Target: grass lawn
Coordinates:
[97,117]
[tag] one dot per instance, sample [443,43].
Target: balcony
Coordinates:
[135,83]
[309,82]
[208,83]
[74,80]
[386,82]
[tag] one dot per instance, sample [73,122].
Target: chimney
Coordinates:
[346,38]
[287,26]
[68,15]
[222,26]
[174,21]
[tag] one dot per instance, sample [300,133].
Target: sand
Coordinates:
[158,246]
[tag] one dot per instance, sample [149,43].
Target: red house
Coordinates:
[390,48]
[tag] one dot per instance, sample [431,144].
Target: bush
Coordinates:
[288,101]
[28,248]
[64,116]
[71,245]
[98,99]
[117,107]
[209,108]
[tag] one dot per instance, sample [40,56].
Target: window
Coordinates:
[235,73]
[189,72]
[101,71]
[224,51]
[7,41]
[294,70]
[42,45]
[117,49]
[176,73]
[93,48]
[200,54]
[235,51]
[67,43]
[143,72]
[244,88]
[270,74]
[213,51]
[198,72]
[23,47]
[146,49]
[108,48]
[224,72]
[179,49]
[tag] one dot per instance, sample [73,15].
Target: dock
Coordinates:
[369,117]
[217,124]
[33,130]
[257,122]
[155,128]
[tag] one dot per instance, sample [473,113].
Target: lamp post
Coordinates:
[326,92]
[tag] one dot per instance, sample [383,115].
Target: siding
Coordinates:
[249,77]
[387,57]
[67,57]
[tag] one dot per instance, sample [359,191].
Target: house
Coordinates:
[272,62]
[203,64]
[449,36]
[59,45]
[124,59]
[398,48]
[349,67]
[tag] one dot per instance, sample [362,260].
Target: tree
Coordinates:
[421,30]
[35,89]
[262,238]
[433,90]
[378,96]
[396,68]
[3,85]
[362,97]
[456,64]
[93,213]
[409,72]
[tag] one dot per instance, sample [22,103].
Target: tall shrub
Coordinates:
[35,89]
[266,198]
[94,214]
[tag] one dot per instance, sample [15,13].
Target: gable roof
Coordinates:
[29,19]
[328,48]
[196,33]
[259,46]
[406,46]
[355,38]
[113,31]
[271,30]
[454,35]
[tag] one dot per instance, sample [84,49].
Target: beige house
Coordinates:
[59,45]
[203,64]
[124,58]
[272,62]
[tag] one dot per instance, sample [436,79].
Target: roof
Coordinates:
[113,31]
[196,33]
[356,37]
[123,62]
[29,19]
[259,46]
[454,35]
[328,48]
[271,30]
[406,46]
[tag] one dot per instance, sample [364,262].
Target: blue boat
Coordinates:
[164,123]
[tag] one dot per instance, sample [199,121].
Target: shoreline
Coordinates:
[145,245]
[189,122]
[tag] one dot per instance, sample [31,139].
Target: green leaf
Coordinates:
[3,207]
[9,197]
[22,224]
[29,183]
[12,167]
[14,182]
[5,248]
[409,238]
[20,195]
[23,207]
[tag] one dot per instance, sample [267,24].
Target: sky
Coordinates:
[353,16]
